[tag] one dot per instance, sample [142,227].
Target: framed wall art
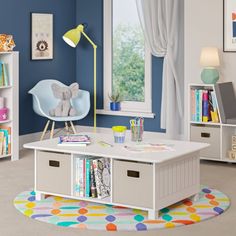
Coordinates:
[229,26]
[41,36]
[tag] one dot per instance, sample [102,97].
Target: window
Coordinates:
[127,62]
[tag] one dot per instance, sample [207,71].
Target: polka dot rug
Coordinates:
[86,215]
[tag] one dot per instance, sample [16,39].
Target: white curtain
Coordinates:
[162,23]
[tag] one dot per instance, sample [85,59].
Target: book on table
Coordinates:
[74,140]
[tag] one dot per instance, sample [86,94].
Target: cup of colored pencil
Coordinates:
[137,128]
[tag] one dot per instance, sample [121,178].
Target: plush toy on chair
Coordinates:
[63,93]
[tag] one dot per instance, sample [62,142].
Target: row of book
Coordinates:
[92,177]
[74,140]
[4,78]
[5,140]
[204,106]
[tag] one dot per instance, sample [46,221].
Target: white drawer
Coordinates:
[53,172]
[207,134]
[133,183]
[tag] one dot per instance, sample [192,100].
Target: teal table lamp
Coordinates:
[72,37]
[209,60]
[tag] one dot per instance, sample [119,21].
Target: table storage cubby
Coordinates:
[207,134]
[53,172]
[135,179]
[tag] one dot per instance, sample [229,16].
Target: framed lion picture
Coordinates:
[41,36]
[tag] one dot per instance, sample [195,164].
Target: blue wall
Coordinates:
[15,19]
[91,12]
[68,64]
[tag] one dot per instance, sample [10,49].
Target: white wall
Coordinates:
[204,27]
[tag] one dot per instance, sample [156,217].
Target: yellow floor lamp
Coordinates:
[72,37]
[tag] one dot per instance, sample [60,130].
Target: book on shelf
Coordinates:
[74,140]
[226,98]
[87,178]
[77,177]
[5,140]
[4,78]
[204,106]
[92,177]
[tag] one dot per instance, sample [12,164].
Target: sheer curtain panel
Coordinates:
[162,23]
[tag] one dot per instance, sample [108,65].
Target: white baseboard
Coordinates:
[29,138]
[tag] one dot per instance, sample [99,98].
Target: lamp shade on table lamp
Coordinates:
[209,60]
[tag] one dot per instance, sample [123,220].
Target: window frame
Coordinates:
[133,106]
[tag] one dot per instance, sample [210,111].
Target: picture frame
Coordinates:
[41,36]
[229,26]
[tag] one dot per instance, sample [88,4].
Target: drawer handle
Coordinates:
[54,163]
[205,135]
[133,174]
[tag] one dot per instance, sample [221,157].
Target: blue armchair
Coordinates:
[44,101]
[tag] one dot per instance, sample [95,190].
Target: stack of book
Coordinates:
[92,177]
[5,140]
[4,80]
[74,140]
[204,106]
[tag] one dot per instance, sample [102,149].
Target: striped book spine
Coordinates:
[205,106]
[215,112]
[197,119]
[81,177]
[200,105]
[193,105]
[77,184]
[87,177]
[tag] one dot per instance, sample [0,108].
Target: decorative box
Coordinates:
[3,114]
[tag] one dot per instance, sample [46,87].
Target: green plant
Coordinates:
[129,62]
[115,97]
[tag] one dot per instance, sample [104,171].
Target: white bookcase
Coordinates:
[219,135]
[11,93]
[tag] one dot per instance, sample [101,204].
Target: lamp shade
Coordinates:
[210,57]
[72,37]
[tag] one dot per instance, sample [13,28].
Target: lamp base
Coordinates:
[209,76]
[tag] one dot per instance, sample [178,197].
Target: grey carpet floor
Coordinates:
[16,177]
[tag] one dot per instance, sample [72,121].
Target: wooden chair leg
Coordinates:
[45,130]
[67,128]
[52,130]
[73,127]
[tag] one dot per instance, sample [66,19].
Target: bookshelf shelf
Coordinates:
[218,135]
[5,121]
[9,89]
[4,156]
[205,123]
[5,87]
[106,200]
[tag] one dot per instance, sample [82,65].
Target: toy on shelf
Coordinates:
[7,43]
[232,152]
[3,110]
